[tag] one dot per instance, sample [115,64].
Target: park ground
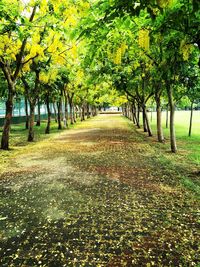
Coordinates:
[99,194]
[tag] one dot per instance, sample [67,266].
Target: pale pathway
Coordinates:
[96,195]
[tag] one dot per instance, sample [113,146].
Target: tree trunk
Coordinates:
[82,113]
[55,113]
[147,123]
[7,122]
[167,116]
[138,115]
[88,111]
[74,113]
[59,107]
[125,110]
[133,113]
[71,111]
[38,116]
[191,117]
[47,130]
[172,114]
[144,118]
[26,112]
[31,122]
[95,111]
[159,119]
[66,111]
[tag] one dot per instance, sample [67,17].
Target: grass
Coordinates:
[187,160]
[19,143]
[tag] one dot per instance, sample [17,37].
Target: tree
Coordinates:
[11,56]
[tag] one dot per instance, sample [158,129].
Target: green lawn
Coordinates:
[186,143]
[182,119]
[188,157]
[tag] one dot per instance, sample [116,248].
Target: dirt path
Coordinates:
[96,195]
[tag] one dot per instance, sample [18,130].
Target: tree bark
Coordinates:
[159,119]
[138,115]
[135,115]
[144,118]
[147,123]
[59,107]
[74,113]
[71,110]
[82,113]
[167,116]
[125,110]
[191,117]
[31,122]
[66,110]
[172,115]
[47,130]
[88,111]
[38,116]
[7,122]
[55,113]
[26,112]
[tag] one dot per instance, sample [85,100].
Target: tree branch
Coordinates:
[20,55]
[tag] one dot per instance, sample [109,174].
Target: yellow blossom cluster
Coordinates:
[143,39]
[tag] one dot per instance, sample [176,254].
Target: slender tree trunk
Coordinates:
[133,113]
[167,116]
[7,122]
[26,112]
[144,118]
[129,112]
[95,111]
[47,130]
[138,115]
[66,111]
[38,116]
[82,113]
[172,115]
[31,122]
[159,119]
[191,117]
[55,113]
[59,107]
[74,113]
[147,123]
[125,110]
[71,111]
[88,111]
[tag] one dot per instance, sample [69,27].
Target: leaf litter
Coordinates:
[95,197]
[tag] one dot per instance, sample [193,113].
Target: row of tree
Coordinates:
[150,51]
[85,53]
[42,61]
